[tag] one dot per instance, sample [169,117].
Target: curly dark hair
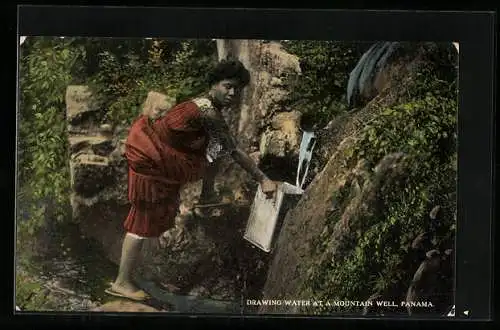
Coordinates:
[229,69]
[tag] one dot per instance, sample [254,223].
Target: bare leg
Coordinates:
[131,250]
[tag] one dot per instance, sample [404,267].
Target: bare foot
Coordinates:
[129,290]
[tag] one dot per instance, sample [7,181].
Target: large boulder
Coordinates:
[344,209]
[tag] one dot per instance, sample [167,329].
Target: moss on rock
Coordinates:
[384,179]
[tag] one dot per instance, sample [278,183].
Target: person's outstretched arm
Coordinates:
[222,142]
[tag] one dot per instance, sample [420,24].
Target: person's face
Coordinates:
[226,91]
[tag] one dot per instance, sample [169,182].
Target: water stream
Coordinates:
[75,274]
[72,270]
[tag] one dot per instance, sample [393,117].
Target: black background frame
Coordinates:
[474,31]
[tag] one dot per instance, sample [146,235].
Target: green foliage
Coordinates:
[320,90]
[378,258]
[121,72]
[45,72]
[29,292]
[175,68]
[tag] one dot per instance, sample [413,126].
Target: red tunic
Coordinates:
[162,156]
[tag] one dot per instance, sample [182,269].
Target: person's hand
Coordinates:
[269,188]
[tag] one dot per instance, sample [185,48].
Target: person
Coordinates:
[167,149]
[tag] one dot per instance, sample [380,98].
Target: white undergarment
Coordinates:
[136,236]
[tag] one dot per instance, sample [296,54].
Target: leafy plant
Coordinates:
[120,72]
[175,68]
[424,128]
[320,90]
[45,71]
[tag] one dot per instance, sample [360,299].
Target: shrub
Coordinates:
[46,68]
[380,260]
[319,92]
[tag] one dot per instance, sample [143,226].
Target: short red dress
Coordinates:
[162,157]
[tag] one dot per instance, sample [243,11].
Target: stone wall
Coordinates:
[98,172]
